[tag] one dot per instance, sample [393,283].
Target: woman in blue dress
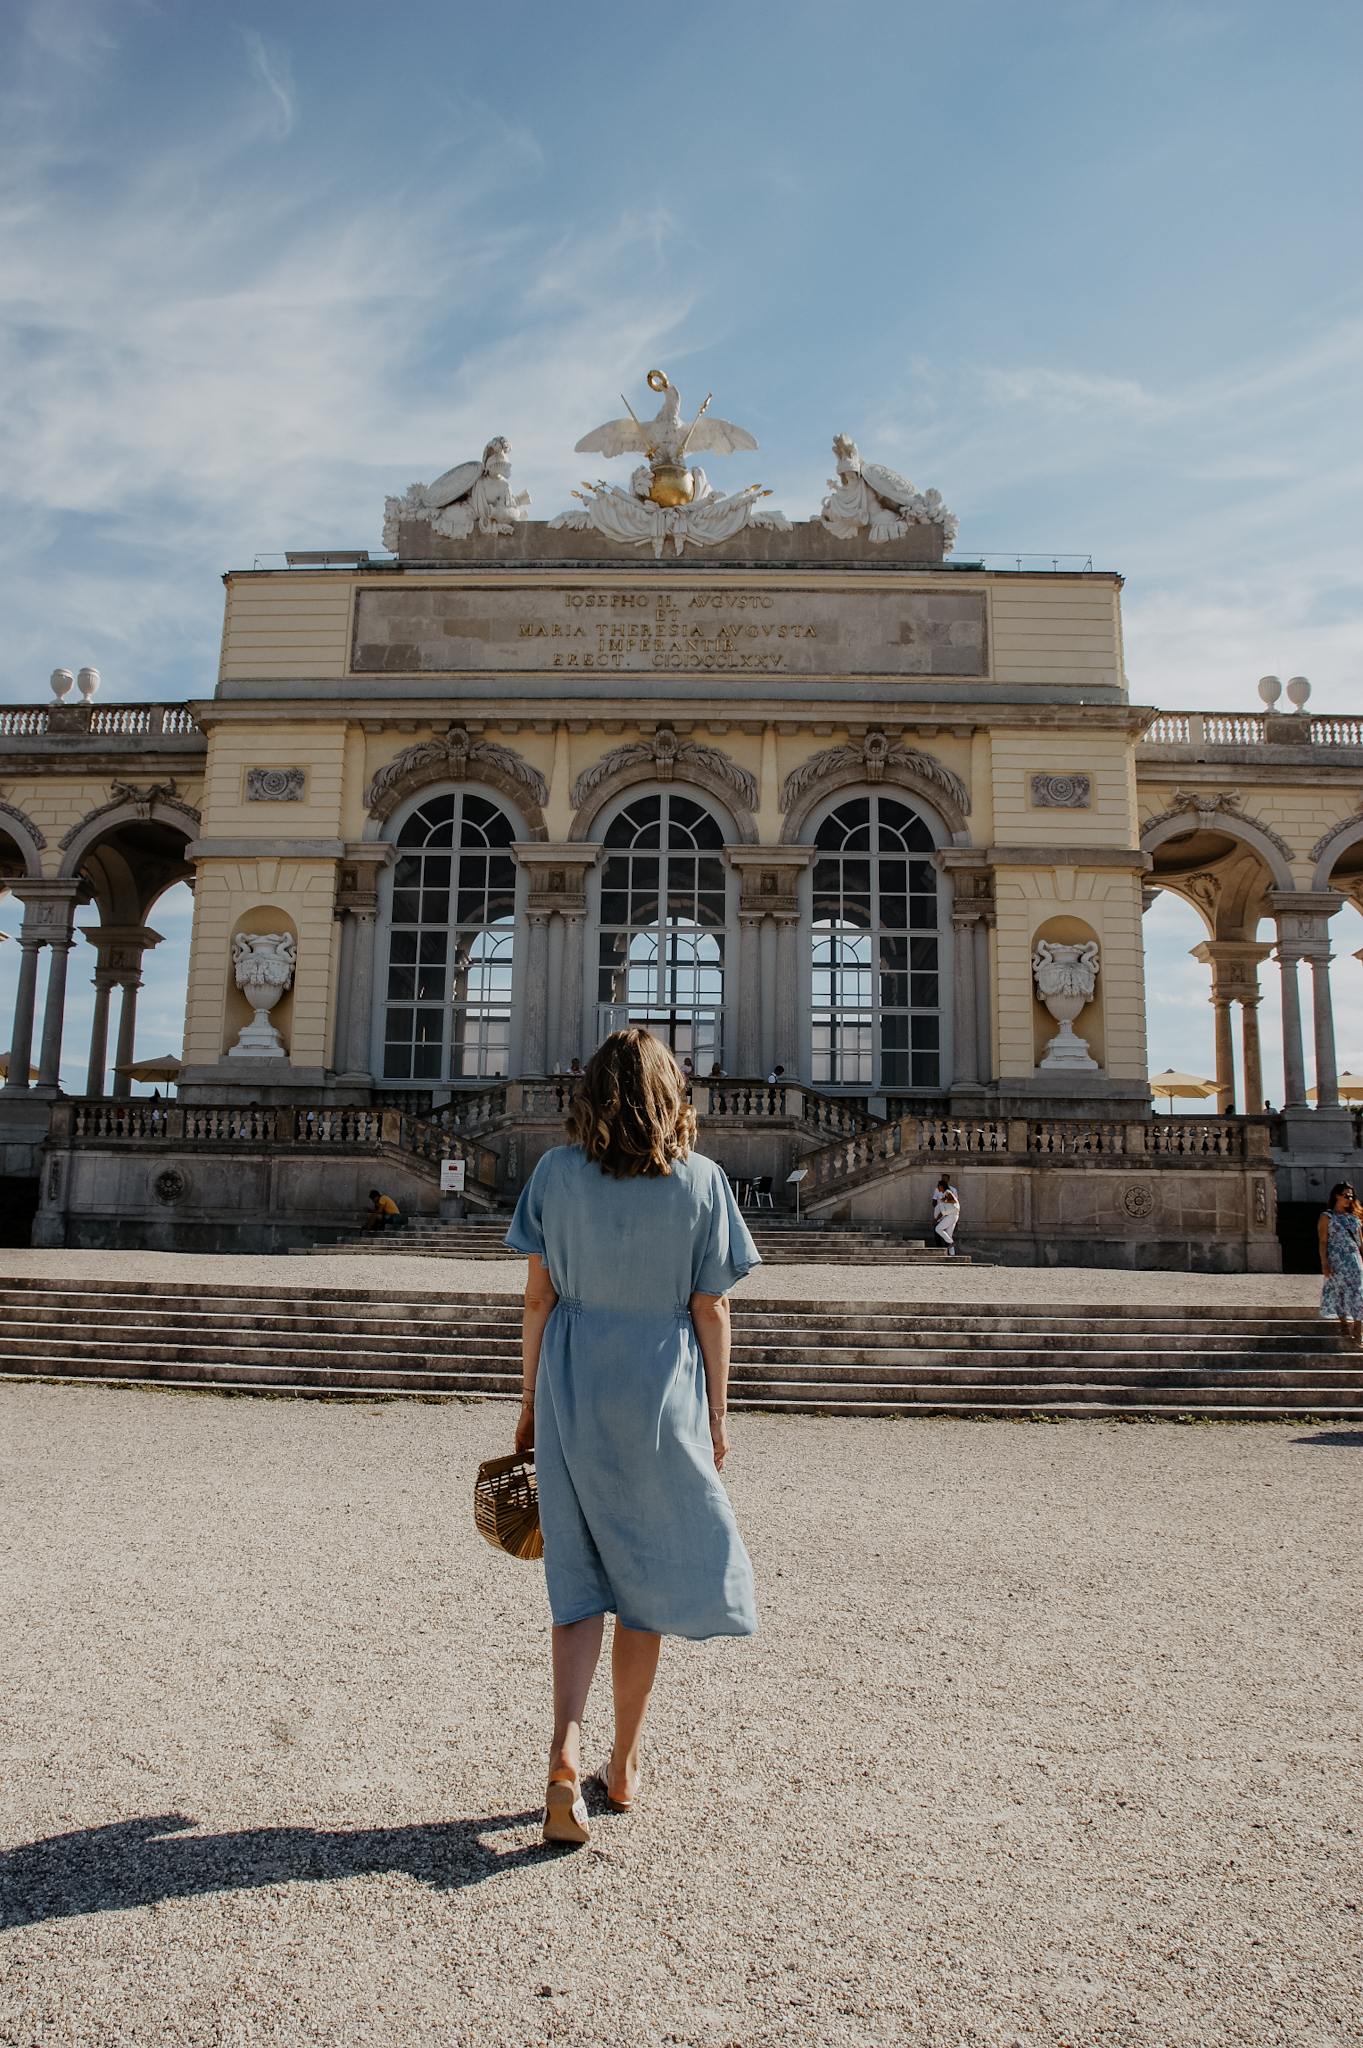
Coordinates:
[634,1242]
[1342,1294]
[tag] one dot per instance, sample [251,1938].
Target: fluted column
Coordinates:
[1225,1056]
[788,994]
[130,983]
[535,1005]
[361,1018]
[748,1055]
[99,1033]
[570,1007]
[964,1043]
[1253,1064]
[1327,1076]
[21,1043]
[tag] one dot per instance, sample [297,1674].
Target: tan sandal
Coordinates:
[565,1813]
[616,1805]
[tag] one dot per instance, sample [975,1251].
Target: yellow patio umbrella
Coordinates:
[1350,1088]
[4,1061]
[1169,1084]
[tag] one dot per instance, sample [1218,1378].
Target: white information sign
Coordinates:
[452,1176]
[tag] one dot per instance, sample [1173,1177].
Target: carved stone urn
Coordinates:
[264,964]
[1066,977]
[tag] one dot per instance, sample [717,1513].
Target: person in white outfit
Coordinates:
[946,1209]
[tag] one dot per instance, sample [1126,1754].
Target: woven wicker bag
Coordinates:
[506,1506]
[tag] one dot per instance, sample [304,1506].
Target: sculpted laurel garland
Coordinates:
[665,751]
[872,756]
[453,751]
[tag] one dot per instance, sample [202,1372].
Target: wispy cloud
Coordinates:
[274,72]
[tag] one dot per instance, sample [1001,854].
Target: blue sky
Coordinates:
[1089,269]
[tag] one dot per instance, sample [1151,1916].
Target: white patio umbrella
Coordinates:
[1169,1084]
[1350,1088]
[164,1069]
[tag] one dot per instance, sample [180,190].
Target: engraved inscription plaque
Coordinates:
[645,632]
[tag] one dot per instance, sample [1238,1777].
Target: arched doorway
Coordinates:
[446,974]
[663,938]
[876,989]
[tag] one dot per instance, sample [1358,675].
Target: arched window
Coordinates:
[876,1010]
[662,926]
[448,1014]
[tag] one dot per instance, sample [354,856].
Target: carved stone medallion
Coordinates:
[1062,792]
[1138,1200]
[170,1186]
[275,785]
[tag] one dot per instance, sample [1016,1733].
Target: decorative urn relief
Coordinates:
[1066,977]
[264,964]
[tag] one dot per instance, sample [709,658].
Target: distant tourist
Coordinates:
[625,1399]
[1340,1262]
[716,1072]
[776,1075]
[575,1069]
[381,1208]
[946,1210]
[687,1068]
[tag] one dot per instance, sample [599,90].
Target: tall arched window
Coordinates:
[876,1009]
[448,1014]
[661,960]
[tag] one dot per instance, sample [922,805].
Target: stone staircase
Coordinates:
[780,1243]
[871,1359]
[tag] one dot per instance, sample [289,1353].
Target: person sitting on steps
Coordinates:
[382,1208]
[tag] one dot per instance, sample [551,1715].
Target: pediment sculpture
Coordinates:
[666,498]
[471,495]
[864,494]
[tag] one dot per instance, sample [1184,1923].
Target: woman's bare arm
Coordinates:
[710,1320]
[540,1302]
[1323,1233]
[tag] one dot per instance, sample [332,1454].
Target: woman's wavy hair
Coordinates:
[630,1113]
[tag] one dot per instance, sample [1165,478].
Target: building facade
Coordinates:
[812,802]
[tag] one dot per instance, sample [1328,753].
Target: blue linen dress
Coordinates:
[635,1519]
[1342,1294]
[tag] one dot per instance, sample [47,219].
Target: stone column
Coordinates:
[535,1002]
[360,1022]
[570,1006]
[118,964]
[1225,1056]
[1253,1064]
[788,994]
[1302,917]
[48,1082]
[984,1039]
[99,1034]
[21,1043]
[964,1042]
[127,1035]
[1327,1075]
[748,1054]
[1294,1067]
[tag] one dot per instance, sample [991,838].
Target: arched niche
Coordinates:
[1089,1024]
[261,917]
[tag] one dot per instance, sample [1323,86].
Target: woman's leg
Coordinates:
[577,1646]
[634,1664]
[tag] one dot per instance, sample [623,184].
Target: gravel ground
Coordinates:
[1051,1735]
[1005,1285]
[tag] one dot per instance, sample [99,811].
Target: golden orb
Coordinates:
[657,380]
[673,484]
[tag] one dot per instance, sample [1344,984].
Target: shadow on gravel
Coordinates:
[141,1862]
[1350,1438]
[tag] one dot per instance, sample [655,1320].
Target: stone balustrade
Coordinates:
[1198,729]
